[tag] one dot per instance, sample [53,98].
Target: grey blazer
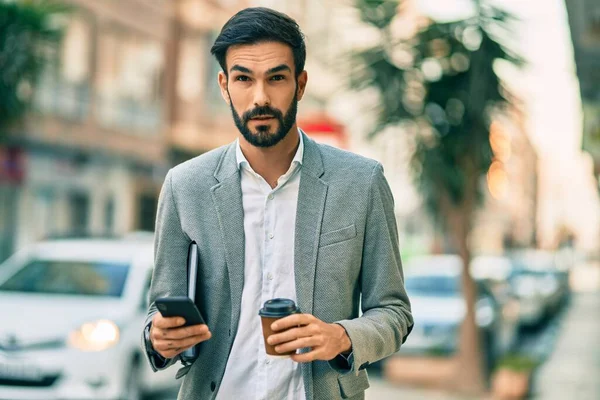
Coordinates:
[346,256]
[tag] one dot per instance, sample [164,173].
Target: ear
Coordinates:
[223,85]
[302,81]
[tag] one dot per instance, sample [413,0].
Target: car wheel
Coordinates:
[132,387]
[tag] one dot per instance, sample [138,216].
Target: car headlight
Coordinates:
[95,336]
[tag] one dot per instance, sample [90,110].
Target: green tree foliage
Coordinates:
[25,28]
[442,85]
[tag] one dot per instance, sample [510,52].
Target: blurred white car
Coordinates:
[438,307]
[495,272]
[72,314]
[538,278]
[493,268]
[531,288]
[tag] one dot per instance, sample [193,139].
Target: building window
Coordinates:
[64,84]
[130,81]
[79,206]
[109,215]
[43,212]
[147,211]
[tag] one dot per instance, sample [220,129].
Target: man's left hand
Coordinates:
[304,330]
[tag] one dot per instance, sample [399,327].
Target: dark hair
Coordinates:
[260,24]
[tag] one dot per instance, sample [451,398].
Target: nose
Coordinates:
[261,97]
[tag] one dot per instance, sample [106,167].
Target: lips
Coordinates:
[262,118]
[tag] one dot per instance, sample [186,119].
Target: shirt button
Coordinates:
[270,276]
[271,236]
[271,197]
[268,362]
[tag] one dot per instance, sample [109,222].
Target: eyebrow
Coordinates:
[241,69]
[279,68]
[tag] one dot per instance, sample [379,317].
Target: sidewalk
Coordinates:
[573,369]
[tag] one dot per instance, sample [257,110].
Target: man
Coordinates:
[277,215]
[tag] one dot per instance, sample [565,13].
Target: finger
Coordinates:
[192,341]
[292,321]
[164,345]
[203,338]
[305,357]
[169,345]
[170,353]
[301,343]
[292,334]
[184,332]
[167,322]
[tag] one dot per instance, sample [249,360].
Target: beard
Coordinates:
[263,137]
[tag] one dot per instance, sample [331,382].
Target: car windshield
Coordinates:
[83,278]
[525,270]
[432,285]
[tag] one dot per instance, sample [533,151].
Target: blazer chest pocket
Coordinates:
[339,235]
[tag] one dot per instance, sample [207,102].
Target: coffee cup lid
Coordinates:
[278,308]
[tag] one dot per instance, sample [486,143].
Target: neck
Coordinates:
[272,162]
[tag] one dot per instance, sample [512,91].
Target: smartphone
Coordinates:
[180,307]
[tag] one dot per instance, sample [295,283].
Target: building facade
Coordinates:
[509,216]
[128,93]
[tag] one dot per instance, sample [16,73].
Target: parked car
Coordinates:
[72,318]
[494,271]
[438,307]
[542,287]
[492,268]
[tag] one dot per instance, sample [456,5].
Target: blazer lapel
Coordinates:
[309,215]
[227,199]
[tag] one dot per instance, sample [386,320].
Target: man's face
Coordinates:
[262,91]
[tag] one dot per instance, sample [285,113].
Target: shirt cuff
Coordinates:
[342,363]
[159,361]
[349,359]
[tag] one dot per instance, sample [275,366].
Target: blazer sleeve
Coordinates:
[169,277]
[387,319]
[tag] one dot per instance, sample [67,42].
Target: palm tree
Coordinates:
[442,84]
[25,27]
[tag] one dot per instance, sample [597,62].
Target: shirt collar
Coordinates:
[241,159]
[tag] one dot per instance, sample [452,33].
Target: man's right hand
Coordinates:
[169,337]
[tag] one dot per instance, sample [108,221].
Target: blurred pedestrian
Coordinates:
[276,215]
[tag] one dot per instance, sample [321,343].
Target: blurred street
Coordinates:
[484,116]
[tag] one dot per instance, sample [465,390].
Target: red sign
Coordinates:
[325,129]
[12,165]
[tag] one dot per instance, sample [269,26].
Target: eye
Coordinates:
[277,77]
[242,78]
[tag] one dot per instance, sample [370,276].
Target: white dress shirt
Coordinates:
[269,228]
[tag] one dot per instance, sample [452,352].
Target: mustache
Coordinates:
[260,111]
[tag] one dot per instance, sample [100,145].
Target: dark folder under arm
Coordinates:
[192,274]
